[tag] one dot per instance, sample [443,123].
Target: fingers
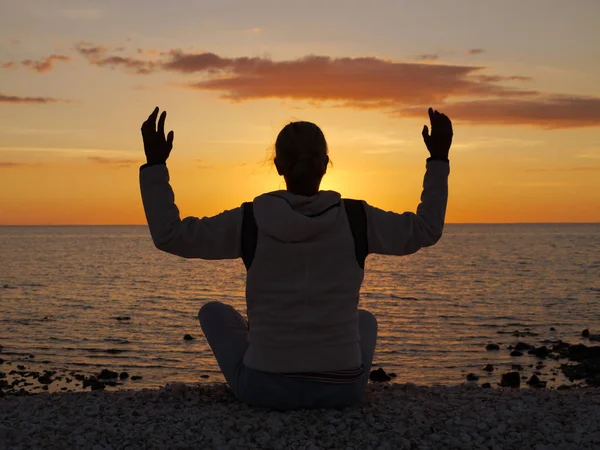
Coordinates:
[439,120]
[150,123]
[425,134]
[161,125]
[170,137]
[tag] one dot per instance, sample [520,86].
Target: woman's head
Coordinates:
[301,157]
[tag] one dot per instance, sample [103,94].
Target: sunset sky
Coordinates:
[520,80]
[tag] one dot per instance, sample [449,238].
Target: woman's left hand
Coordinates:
[156,146]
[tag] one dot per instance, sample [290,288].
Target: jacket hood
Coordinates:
[289,217]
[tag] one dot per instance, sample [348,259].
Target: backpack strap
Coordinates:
[249,234]
[357,218]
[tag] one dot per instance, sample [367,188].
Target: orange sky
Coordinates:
[520,83]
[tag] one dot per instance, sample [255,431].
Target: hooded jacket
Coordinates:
[302,289]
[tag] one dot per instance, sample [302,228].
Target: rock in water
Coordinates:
[108,374]
[188,337]
[97,385]
[379,376]
[534,381]
[136,377]
[511,379]
[523,346]
[488,368]
[123,318]
[540,352]
[486,385]
[516,353]
[45,379]
[585,333]
[123,375]
[472,377]
[492,347]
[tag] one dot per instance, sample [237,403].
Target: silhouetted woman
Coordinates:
[306,343]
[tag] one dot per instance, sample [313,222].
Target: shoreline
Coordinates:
[403,416]
[551,365]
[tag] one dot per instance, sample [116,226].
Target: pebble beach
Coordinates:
[392,416]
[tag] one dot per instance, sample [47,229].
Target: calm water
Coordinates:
[437,309]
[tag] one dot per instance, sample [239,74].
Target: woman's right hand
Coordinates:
[439,141]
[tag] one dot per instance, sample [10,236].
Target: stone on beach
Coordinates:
[523,346]
[492,347]
[107,374]
[188,337]
[511,379]
[379,376]
[391,417]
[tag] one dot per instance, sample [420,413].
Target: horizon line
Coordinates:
[145,225]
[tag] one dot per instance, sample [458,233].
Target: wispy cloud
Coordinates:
[11,165]
[15,99]
[97,55]
[427,57]
[45,64]
[118,162]
[475,51]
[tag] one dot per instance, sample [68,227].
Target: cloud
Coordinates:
[467,93]
[9,65]
[98,56]
[90,50]
[16,99]
[427,57]
[475,51]
[10,164]
[46,64]
[119,162]
[356,82]
[544,111]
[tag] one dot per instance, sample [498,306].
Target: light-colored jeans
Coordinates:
[226,331]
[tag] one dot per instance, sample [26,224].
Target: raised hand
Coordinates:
[156,146]
[440,140]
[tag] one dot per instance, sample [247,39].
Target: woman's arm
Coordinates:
[217,237]
[390,233]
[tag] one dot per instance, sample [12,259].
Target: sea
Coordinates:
[63,290]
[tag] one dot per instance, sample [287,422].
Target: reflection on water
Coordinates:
[437,309]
